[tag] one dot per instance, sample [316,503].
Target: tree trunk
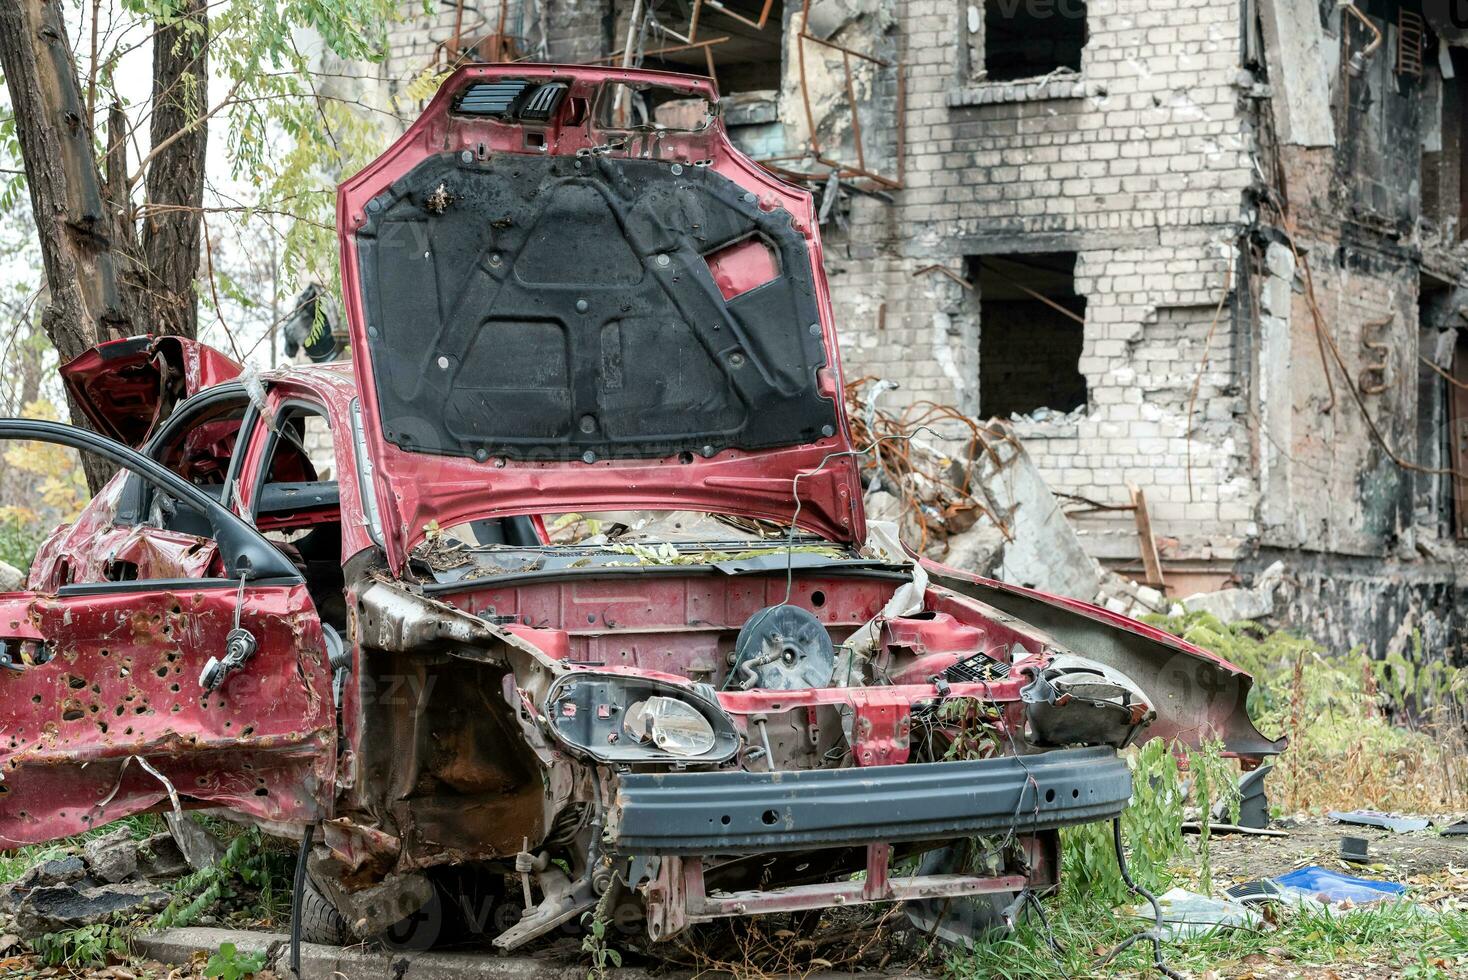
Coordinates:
[66,190]
[86,304]
[175,183]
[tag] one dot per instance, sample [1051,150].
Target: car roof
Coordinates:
[336,375]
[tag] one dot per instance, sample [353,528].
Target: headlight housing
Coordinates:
[671,725]
[629,719]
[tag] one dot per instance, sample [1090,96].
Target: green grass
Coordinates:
[15,863]
[1406,939]
[1338,711]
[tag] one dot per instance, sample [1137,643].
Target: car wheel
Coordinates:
[965,922]
[321,923]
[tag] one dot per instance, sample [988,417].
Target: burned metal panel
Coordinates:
[1379,158]
[440,771]
[115,685]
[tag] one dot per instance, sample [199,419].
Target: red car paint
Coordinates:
[127,386]
[121,686]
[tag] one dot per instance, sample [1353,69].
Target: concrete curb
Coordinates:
[177,947]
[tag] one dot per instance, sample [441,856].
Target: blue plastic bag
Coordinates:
[1316,881]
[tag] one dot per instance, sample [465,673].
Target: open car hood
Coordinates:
[555,306]
[126,387]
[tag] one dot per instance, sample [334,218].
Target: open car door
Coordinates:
[121,697]
[126,387]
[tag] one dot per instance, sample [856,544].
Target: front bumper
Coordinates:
[731,812]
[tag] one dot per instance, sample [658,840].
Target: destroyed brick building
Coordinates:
[1213,250]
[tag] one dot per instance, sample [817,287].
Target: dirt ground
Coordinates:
[1317,840]
[1435,867]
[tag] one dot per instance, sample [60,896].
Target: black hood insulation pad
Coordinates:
[557,308]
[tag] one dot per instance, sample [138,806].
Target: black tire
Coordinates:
[964,922]
[321,923]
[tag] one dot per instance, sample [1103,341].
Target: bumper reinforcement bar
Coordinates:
[731,812]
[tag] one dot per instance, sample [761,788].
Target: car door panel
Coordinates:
[102,712]
[116,553]
[122,685]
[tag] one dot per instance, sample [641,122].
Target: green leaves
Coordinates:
[84,947]
[199,892]
[230,964]
[1151,829]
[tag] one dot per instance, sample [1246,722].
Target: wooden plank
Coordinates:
[1151,560]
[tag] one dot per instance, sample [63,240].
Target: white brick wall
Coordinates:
[1140,167]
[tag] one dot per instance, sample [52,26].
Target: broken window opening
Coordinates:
[745,59]
[1031,38]
[1444,163]
[1031,333]
[296,505]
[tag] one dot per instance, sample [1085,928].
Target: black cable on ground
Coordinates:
[1033,901]
[1155,933]
[298,892]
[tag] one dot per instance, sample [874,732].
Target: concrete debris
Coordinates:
[1259,602]
[178,947]
[59,871]
[113,857]
[159,857]
[12,579]
[1050,415]
[79,890]
[987,510]
[980,549]
[1120,594]
[58,908]
[1043,551]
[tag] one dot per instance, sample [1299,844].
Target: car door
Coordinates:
[118,697]
[127,387]
[123,533]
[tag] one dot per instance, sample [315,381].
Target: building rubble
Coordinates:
[979,503]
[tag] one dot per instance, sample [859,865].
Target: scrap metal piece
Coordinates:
[1386,821]
[1075,701]
[678,895]
[564,900]
[1253,803]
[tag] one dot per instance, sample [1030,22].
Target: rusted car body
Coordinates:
[705,684]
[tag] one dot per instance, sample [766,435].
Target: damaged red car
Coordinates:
[563,585]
